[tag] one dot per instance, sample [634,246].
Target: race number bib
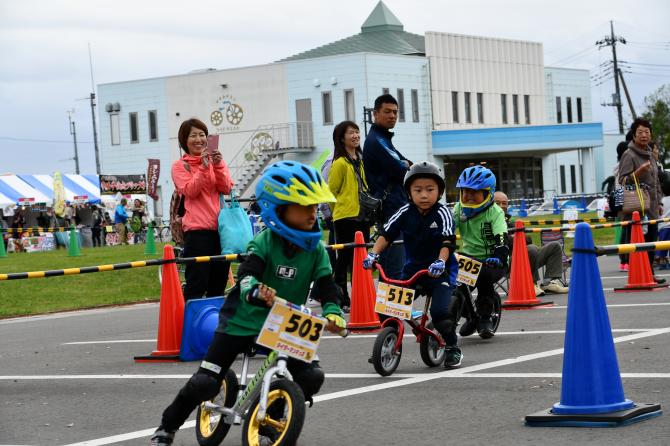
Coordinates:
[292,330]
[468,270]
[394,301]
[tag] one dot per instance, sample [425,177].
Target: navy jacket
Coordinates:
[383,166]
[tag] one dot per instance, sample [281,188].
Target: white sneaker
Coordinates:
[555,286]
[538,291]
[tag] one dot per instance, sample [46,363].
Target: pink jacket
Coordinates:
[201,187]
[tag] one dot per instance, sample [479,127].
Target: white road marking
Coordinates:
[391,384]
[89,312]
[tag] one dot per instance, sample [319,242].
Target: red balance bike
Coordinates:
[396,298]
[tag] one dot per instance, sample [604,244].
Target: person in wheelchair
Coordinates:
[483,229]
[427,229]
[283,260]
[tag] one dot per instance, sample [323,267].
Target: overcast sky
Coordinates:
[44,61]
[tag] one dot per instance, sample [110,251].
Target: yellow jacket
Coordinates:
[343,183]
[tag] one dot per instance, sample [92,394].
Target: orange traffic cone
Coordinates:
[362,316]
[170,316]
[521,293]
[640,277]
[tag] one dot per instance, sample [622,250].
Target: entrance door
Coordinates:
[304,129]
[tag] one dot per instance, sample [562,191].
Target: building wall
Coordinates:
[365,74]
[489,66]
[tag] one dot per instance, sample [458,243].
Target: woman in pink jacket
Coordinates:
[200,176]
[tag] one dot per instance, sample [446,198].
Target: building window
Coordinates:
[568,108]
[526,107]
[401,105]
[115,129]
[559,115]
[385,91]
[454,106]
[327,105]
[480,108]
[134,133]
[153,126]
[503,106]
[349,106]
[515,108]
[468,112]
[415,106]
[562,168]
[579,110]
[573,178]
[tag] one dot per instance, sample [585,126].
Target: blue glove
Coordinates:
[436,268]
[370,260]
[493,262]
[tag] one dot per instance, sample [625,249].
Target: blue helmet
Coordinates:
[477,178]
[290,182]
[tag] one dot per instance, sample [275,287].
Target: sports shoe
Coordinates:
[659,280]
[162,437]
[452,357]
[485,329]
[555,286]
[623,267]
[468,327]
[538,291]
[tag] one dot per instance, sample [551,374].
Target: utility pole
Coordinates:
[73,132]
[95,129]
[611,40]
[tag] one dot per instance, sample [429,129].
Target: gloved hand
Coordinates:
[370,260]
[337,320]
[436,268]
[493,262]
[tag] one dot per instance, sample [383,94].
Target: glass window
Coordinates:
[327,105]
[153,126]
[401,105]
[114,128]
[503,106]
[349,106]
[454,106]
[559,115]
[526,107]
[562,168]
[568,108]
[480,108]
[468,112]
[573,178]
[515,108]
[579,110]
[134,134]
[415,106]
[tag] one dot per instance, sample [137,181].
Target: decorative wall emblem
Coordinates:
[228,114]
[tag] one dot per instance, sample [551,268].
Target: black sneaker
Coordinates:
[468,327]
[162,437]
[452,357]
[485,328]
[659,280]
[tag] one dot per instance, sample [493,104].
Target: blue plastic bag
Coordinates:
[235,230]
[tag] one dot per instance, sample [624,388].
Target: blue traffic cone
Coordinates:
[591,389]
[201,316]
[583,203]
[522,209]
[556,210]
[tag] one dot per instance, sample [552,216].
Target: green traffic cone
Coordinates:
[150,246]
[3,252]
[73,247]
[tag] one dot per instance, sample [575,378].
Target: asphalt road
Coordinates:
[70,379]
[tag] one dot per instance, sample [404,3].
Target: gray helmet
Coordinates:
[424,169]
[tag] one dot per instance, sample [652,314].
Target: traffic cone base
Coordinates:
[639,412]
[632,289]
[362,316]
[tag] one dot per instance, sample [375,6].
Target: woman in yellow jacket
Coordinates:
[346,173]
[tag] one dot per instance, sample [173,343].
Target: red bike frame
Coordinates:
[419,330]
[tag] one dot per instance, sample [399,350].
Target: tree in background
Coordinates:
[658,113]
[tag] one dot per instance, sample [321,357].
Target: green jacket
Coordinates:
[343,183]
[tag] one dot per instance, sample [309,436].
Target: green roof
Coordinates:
[381,32]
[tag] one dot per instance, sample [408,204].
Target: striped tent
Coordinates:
[82,188]
[21,193]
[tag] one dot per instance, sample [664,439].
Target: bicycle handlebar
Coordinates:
[403,283]
[343,333]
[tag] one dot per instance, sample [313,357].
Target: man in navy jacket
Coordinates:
[385,169]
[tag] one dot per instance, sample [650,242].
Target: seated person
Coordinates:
[483,231]
[549,256]
[427,228]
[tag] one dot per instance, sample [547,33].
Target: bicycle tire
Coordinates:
[210,429]
[385,358]
[431,353]
[282,432]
